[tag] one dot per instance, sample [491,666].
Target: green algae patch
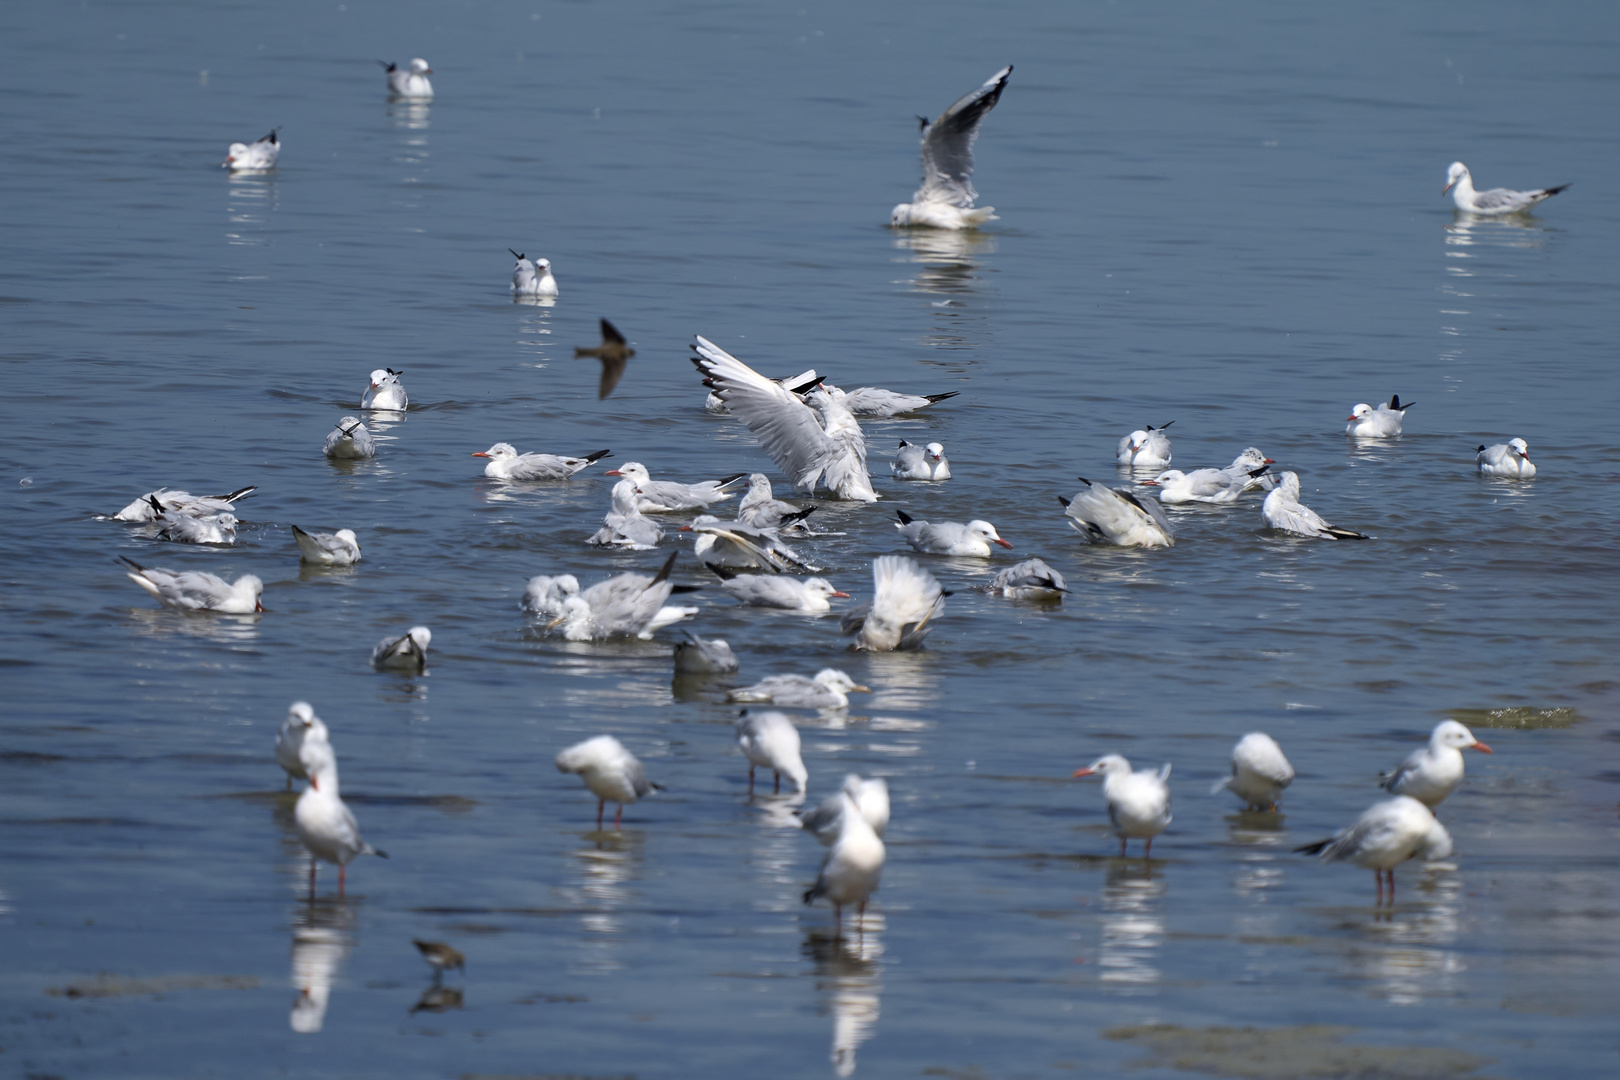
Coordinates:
[1309,1052]
[1518,718]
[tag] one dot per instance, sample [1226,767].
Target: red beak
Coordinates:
[1082,772]
[1349,418]
[1271,461]
[480,453]
[257,606]
[613,472]
[1482,748]
[845,595]
[1003,543]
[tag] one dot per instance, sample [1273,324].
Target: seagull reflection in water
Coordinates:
[607,863]
[946,269]
[412,116]
[1406,951]
[1132,926]
[322,937]
[847,972]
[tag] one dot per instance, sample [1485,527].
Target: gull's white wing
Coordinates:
[1499,200]
[947,145]
[788,428]
[1295,517]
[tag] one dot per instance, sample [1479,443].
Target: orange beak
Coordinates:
[613,472]
[480,453]
[1003,543]
[845,595]
[1482,748]
[1082,772]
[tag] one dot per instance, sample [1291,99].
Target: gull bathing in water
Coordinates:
[830,689]
[325,825]
[625,605]
[1510,459]
[184,528]
[533,278]
[949,537]
[301,724]
[770,741]
[704,656]
[945,200]
[341,548]
[612,773]
[1251,466]
[1148,448]
[253,157]
[667,497]
[913,462]
[905,599]
[1495,201]
[505,463]
[405,653]
[853,867]
[1105,515]
[544,595]
[385,391]
[763,510]
[625,525]
[1284,512]
[349,441]
[1138,802]
[1384,422]
[1031,579]
[1431,774]
[871,798]
[195,590]
[409,83]
[156,504]
[1259,772]
[760,590]
[736,544]
[1386,835]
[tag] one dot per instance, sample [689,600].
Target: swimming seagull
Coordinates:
[185,528]
[1510,459]
[905,599]
[195,590]
[763,510]
[1259,772]
[1384,422]
[253,157]
[505,463]
[822,444]
[704,656]
[325,825]
[612,773]
[301,724]
[406,653]
[1386,835]
[385,391]
[876,402]
[871,798]
[1249,464]
[624,605]
[1217,486]
[614,352]
[666,496]
[788,594]
[349,441]
[853,867]
[163,501]
[829,689]
[410,83]
[532,278]
[1284,512]
[913,462]
[1496,200]
[625,525]
[1147,448]
[341,548]
[945,200]
[1031,579]
[1138,802]
[1105,515]
[770,741]
[949,537]
[1431,774]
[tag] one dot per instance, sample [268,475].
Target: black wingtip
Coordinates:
[1064,501]
[1395,403]
[733,478]
[721,572]
[905,518]
[516,255]
[1312,849]
[805,388]
[1480,449]
[387,66]
[599,455]
[132,564]
[1084,481]
[937,398]
[923,122]
[669,564]
[1554,190]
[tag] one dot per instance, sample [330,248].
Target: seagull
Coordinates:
[1138,802]
[945,200]
[763,510]
[1148,448]
[879,403]
[704,656]
[301,724]
[385,391]
[949,537]
[913,462]
[761,590]
[440,957]
[195,590]
[325,826]
[624,605]
[612,773]
[253,157]
[155,504]
[800,384]
[871,798]
[905,599]
[217,528]
[341,548]
[410,83]
[1284,512]
[770,741]
[1431,774]
[1250,465]
[1494,201]
[533,278]
[544,595]
[625,525]
[1510,459]
[614,352]
[1386,835]
[829,689]
[738,545]
[1218,486]
[1384,422]
[822,444]
[407,652]
[1105,515]
[505,463]
[667,497]
[1259,772]
[1031,579]
[349,441]
[853,866]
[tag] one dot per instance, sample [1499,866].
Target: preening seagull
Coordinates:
[945,200]
[1496,201]
[704,656]
[1105,515]
[163,501]
[1386,835]
[1250,464]
[1146,448]
[871,798]
[622,606]
[301,723]
[853,867]
[408,652]
[1031,579]
[625,525]
[349,441]
[612,773]
[905,599]
[255,156]
[1284,512]
[738,545]
[770,741]
[341,548]
[1259,772]
[409,83]
[763,510]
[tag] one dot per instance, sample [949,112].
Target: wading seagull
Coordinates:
[789,594]
[533,278]
[301,724]
[1495,201]
[411,83]
[624,605]
[614,352]
[1431,774]
[667,497]
[1138,802]
[1217,486]
[1284,512]
[440,957]
[349,441]
[505,463]
[1384,422]
[1105,515]
[385,391]
[612,773]
[871,798]
[1148,448]
[195,590]
[879,403]
[163,501]
[763,510]
[1259,772]
[822,444]
[945,200]
[949,537]
[253,157]
[905,599]
[341,548]
[704,656]
[625,525]
[913,462]
[829,689]
[1031,579]
[1510,459]
[1386,835]
[770,741]
[325,826]
[853,866]
[407,652]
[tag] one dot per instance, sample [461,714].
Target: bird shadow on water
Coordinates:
[322,937]
[847,973]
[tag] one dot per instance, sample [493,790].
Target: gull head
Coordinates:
[833,679]
[1107,766]
[302,712]
[632,470]
[380,376]
[543,265]
[1360,412]
[900,215]
[1169,476]
[1455,735]
[935,450]
[1454,172]
[248,587]
[759,486]
[1288,484]
[237,150]
[501,451]
[419,66]
[420,637]
[988,532]
[822,587]
[348,537]
[1138,440]
[1520,447]
[1252,458]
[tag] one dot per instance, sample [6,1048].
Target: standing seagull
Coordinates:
[905,599]
[770,741]
[1105,515]
[1495,201]
[612,773]
[1386,835]
[1431,774]
[410,84]
[406,653]
[853,866]
[1284,512]
[533,278]
[1384,422]
[1510,459]
[1138,802]
[945,200]
[324,824]
[253,157]
[614,352]
[1259,772]
[301,724]
[385,392]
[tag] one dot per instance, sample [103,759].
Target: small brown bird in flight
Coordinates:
[614,352]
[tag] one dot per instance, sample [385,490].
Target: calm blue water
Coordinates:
[1229,218]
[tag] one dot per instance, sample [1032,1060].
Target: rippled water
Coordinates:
[1225,218]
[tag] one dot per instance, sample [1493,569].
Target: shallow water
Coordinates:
[1226,219]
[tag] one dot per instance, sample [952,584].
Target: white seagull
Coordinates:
[1383,422]
[544,595]
[1259,772]
[1250,464]
[1105,515]
[195,590]
[533,278]
[829,689]
[1510,459]
[853,867]
[799,385]
[770,741]
[349,441]
[905,599]
[301,724]
[763,510]
[1284,512]
[667,497]
[949,537]
[1386,835]
[324,824]
[761,590]
[410,83]
[408,652]
[881,404]
[612,773]
[385,391]
[1138,802]
[1031,579]
[1217,486]
[913,462]
[253,157]
[871,798]
[505,463]
[625,605]
[341,548]
[739,545]
[1495,201]
[1148,448]
[704,656]
[187,528]
[945,200]
[824,444]
[625,525]
[1431,774]
[164,501]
